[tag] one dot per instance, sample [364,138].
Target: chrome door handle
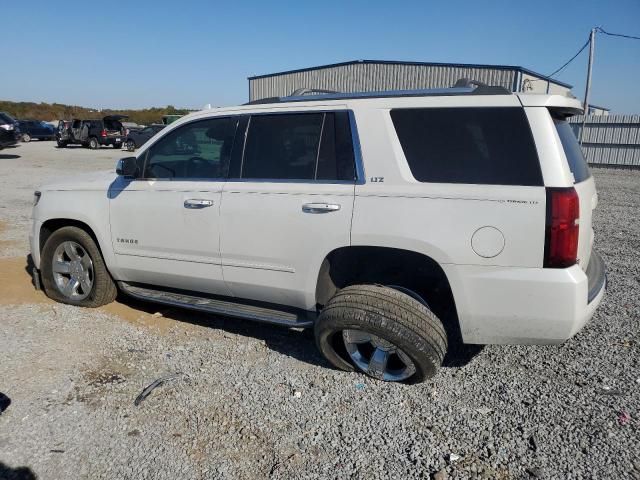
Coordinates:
[320,207]
[197,203]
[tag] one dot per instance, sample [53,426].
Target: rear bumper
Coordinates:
[525,305]
[111,140]
[596,276]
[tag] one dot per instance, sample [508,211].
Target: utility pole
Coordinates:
[592,45]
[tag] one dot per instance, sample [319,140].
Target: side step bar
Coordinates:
[216,306]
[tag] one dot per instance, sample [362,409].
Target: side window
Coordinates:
[478,145]
[199,149]
[577,163]
[302,146]
[336,159]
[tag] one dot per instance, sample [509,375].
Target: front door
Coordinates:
[289,205]
[165,225]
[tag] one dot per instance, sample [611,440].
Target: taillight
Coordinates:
[563,226]
[103,133]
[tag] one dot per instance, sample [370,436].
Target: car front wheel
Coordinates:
[131,146]
[73,270]
[385,333]
[26,138]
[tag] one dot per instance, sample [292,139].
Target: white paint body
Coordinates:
[256,243]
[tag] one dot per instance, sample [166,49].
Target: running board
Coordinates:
[203,303]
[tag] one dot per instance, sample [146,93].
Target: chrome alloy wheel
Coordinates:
[377,357]
[72,270]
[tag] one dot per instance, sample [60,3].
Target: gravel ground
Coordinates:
[255,401]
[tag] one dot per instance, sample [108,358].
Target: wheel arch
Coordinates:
[49,226]
[410,270]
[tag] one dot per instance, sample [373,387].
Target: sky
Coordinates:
[191,53]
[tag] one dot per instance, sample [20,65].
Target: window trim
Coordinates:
[359,171]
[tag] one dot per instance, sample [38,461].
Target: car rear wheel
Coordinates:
[131,146]
[93,143]
[26,138]
[61,144]
[73,270]
[385,333]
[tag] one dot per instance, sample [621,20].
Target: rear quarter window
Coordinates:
[577,163]
[474,145]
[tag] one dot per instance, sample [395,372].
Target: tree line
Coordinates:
[58,111]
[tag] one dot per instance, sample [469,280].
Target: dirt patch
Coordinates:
[99,380]
[151,318]
[6,244]
[16,288]
[15,283]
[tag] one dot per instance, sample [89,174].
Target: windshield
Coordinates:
[5,118]
[573,152]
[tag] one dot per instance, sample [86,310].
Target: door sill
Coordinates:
[255,311]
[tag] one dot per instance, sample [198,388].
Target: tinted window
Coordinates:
[305,146]
[573,152]
[336,159]
[468,145]
[195,150]
[282,146]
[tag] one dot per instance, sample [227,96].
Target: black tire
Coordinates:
[131,146]
[389,314]
[103,290]
[61,144]
[93,143]
[26,138]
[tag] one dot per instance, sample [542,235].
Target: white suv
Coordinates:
[393,223]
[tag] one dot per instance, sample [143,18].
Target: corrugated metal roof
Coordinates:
[420,64]
[366,77]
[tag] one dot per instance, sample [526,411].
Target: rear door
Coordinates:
[287,204]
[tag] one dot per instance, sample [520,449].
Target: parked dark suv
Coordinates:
[137,138]
[9,130]
[92,133]
[31,129]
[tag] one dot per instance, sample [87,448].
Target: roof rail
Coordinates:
[481,88]
[463,86]
[314,91]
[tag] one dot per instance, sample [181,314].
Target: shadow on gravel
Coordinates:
[29,269]
[4,404]
[20,473]
[295,343]
[5,156]
[460,355]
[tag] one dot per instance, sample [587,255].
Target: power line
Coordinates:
[570,60]
[601,30]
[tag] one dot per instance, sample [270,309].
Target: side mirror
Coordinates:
[127,167]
